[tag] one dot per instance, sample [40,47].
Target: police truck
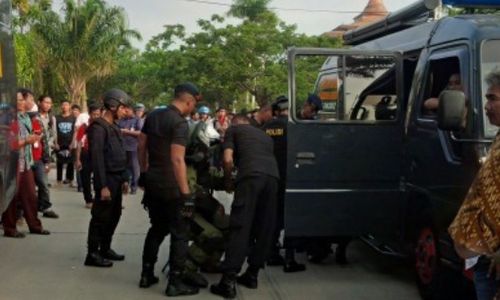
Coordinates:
[378,162]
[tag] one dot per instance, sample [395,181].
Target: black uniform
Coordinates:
[162,197]
[109,161]
[253,211]
[254,123]
[277,130]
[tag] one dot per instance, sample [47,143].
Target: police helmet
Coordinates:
[280,104]
[139,106]
[204,110]
[114,98]
[313,99]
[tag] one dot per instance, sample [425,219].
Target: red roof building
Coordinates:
[375,10]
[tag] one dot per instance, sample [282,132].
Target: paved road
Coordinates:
[51,267]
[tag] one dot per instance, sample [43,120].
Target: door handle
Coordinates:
[305,158]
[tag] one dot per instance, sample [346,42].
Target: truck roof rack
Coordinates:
[412,15]
[473,3]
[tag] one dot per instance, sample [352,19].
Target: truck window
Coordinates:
[443,74]
[346,88]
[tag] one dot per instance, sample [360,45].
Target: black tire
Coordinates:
[436,281]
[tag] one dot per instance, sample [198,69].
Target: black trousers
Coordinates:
[105,215]
[70,172]
[252,223]
[280,213]
[85,175]
[164,206]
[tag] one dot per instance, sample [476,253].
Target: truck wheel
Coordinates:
[427,265]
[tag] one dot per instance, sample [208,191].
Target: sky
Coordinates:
[149,16]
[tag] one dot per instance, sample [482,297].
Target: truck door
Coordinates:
[344,159]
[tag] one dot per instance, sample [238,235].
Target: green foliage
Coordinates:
[71,49]
[463,11]
[25,61]
[249,9]
[231,63]
[86,51]
[82,45]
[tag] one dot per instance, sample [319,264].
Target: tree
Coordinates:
[29,61]
[229,62]
[82,45]
[248,9]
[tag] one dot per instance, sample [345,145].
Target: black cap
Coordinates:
[187,87]
[93,105]
[116,97]
[316,101]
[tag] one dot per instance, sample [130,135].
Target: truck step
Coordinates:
[381,247]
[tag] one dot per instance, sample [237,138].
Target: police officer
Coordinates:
[162,148]
[277,130]
[109,162]
[311,108]
[253,211]
[262,116]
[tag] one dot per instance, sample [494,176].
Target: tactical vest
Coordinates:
[115,156]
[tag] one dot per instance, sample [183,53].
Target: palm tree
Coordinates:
[82,44]
[22,6]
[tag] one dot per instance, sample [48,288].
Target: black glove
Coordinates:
[188,205]
[142,180]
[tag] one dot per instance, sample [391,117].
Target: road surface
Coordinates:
[51,267]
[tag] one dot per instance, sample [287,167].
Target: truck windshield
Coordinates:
[490,60]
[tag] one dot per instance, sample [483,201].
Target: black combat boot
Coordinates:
[194,278]
[226,287]
[112,255]
[291,265]
[148,277]
[275,259]
[249,278]
[94,259]
[176,287]
[340,254]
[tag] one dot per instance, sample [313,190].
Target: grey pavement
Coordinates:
[51,267]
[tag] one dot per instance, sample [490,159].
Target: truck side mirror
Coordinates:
[451,110]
